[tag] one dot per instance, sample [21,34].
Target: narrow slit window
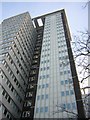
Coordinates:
[40,22]
[34,24]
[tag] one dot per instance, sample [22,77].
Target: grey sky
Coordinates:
[77,16]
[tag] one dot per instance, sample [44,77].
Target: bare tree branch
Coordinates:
[85,78]
[62,109]
[86,4]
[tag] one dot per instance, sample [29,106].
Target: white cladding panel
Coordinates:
[55,93]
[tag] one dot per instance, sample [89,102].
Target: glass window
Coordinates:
[70,81]
[37,110]
[61,73]
[3,92]
[43,86]
[9,99]
[60,65]
[62,82]
[27,114]
[46,109]
[43,76]
[41,61]
[47,68]
[67,92]
[62,93]
[64,72]
[41,109]
[38,97]
[66,81]
[63,106]
[42,97]
[40,77]
[39,86]
[47,60]
[46,96]
[46,85]
[5,112]
[44,61]
[73,105]
[41,69]
[47,76]
[59,58]
[68,106]
[71,92]
[68,71]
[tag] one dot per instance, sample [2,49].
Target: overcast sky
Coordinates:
[76,14]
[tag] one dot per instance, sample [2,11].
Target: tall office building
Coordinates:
[39,78]
[16,50]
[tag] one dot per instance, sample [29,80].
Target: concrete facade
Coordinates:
[55,92]
[16,51]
